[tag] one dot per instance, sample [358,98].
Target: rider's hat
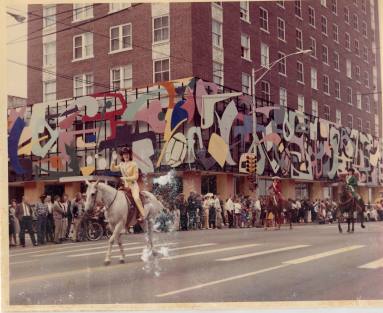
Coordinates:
[126,150]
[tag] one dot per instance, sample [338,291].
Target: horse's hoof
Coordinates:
[106,263]
[363,226]
[122,261]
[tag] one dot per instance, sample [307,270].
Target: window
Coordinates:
[264,55]
[300,72]
[323,3]
[338,117]
[299,39]
[314,108]
[366,79]
[357,73]
[244,10]
[359,124]
[349,121]
[121,77]
[298,8]
[301,103]
[355,21]
[337,89]
[282,63]
[83,85]
[246,83]
[348,68]
[335,32]
[218,73]
[265,90]
[314,78]
[82,11]
[161,28]
[324,25]
[281,3]
[325,54]
[347,40]
[283,97]
[365,54]
[114,7]
[217,33]
[368,127]
[313,47]
[311,16]
[264,19]
[364,29]
[161,70]
[358,100]
[356,47]
[121,37]
[364,6]
[49,14]
[367,104]
[326,85]
[346,15]
[83,46]
[326,112]
[49,51]
[349,95]
[245,46]
[336,60]
[281,29]
[334,8]
[49,91]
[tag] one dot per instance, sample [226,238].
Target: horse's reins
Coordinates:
[107,207]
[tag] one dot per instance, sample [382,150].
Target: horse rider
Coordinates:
[129,171]
[352,182]
[276,190]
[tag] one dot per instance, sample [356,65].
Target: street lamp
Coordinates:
[17,17]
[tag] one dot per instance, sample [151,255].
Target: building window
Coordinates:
[336,60]
[338,117]
[161,28]
[367,104]
[244,10]
[298,8]
[365,54]
[366,79]
[358,100]
[346,15]
[350,121]
[245,46]
[349,95]
[364,29]
[311,16]
[161,70]
[49,91]
[300,72]
[325,54]
[281,29]
[49,51]
[264,55]
[265,90]
[337,89]
[217,33]
[359,124]
[368,127]
[282,63]
[281,4]
[326,112]
[323,3]
[121,77]
[347,40]
[326,85]
[364,6]
[313,47]
[218,73]
[83,85]
[334,8]
[314,78]
[83,46]
[348,68]
[314,108]
[283,97]
[324,25]
[246,83]
[355,21]
[301,103]
[357,73]
[82,11]
[335,32]
[299,39]
[264,19]
[356,47]
[114,7]
[49,14]
[121,37]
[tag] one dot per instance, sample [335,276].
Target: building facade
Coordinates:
[185,73]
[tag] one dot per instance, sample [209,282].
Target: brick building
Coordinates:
[75,50]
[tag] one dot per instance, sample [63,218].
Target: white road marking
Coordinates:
[210,251]
[249,255]
[21,262]
[322,255]
[373,265]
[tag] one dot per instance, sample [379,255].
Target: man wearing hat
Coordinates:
[276,189]
[352,182]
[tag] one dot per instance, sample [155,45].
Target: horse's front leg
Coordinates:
[352,221]
[121,246]
[116,233]
[362,219]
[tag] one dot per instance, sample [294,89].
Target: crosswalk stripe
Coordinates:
[322,255]
[373,265]
[249,255]
[210,251]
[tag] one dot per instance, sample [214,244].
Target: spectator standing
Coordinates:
[258,211]
[192,210]
[182,207]
[229,208]
[77,209]
[212,212]
[63,202]
[206,212]
[237,212]
[58,213]
[68,212]
[24,215]
[218,212]
[42,213]
[50,225]
[14,226]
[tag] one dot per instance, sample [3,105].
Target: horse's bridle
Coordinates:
[107,207]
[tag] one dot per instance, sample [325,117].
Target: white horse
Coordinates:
[121,214]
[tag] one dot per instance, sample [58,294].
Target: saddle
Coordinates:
[133,210]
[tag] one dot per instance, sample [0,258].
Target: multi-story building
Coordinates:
[82,49]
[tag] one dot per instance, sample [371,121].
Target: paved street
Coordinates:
[311,262]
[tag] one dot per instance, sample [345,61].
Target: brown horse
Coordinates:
[277,207]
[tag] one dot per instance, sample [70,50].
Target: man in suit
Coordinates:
[24,214]
[58,214]
[68,213]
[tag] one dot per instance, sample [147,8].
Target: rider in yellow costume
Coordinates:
[129,171]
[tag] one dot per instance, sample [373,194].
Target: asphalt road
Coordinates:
[311,262]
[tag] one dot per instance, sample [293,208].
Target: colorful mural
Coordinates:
[185,124]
